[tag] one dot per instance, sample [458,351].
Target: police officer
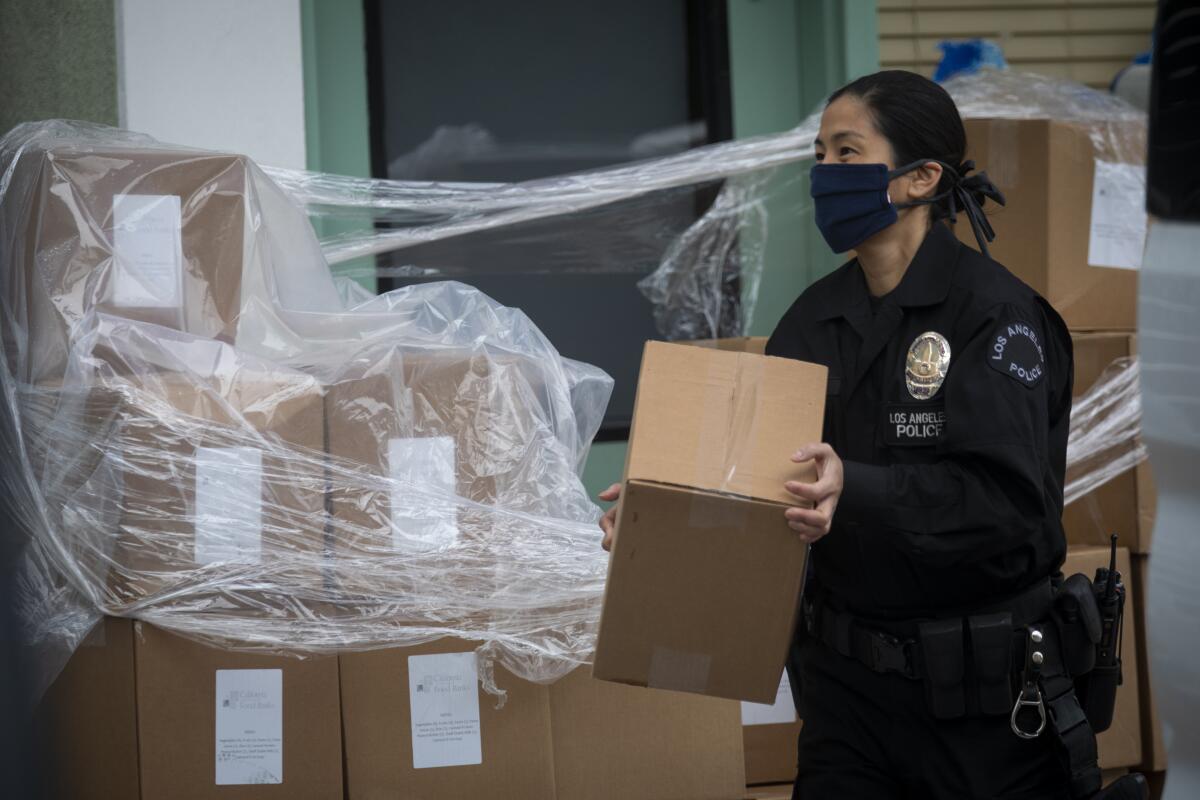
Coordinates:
[936,517]
[926,662]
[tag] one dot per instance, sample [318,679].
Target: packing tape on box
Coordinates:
[678,671]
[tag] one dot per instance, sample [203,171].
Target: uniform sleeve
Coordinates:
[991,480]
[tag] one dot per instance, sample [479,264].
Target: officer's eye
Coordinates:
[846,151]
[820,156]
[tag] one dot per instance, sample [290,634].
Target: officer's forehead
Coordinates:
[846,119]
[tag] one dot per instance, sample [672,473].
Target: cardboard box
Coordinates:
[145,234]
[1121,745]
[87,724]
[576,739]
[236,726]
[705,574]
[738,344]
[1126,504]
[770,734]
[1045,168]
[199,495]
[1154,745]
[445,419]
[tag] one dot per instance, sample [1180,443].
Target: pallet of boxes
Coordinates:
[1074,229]
[398,506]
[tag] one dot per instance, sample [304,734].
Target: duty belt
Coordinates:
[894,647]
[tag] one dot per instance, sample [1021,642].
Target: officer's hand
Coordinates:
[813,523]
[609,521]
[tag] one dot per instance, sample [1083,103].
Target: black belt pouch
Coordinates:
[942,654]
[992,653]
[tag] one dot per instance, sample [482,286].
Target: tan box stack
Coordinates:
[1045,232]
[701,521]
[418,726]
[1124,505]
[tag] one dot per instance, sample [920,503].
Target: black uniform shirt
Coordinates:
[954,501]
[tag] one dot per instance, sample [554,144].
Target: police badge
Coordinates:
[926,366]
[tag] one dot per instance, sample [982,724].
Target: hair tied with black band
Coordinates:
[968,193]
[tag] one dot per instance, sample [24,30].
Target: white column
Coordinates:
[219,74]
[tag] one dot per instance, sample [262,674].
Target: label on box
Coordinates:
[443,694]
[1118,231]
[424,514]
[781,712]
[228,505]
[249,726]
[147,251]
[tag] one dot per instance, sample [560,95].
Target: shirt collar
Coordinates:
[926,281]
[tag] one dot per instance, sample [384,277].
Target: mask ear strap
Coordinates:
[965,194]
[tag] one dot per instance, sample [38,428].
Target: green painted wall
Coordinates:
[335,101]
[786,57]
[58,58]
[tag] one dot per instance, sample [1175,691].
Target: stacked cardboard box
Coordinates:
[142,713]
[208,478]
[88,738]
[701,520]
[143,234]
[418,726]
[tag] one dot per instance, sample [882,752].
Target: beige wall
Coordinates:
[1085,40]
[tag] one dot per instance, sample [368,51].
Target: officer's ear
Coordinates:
[923,181]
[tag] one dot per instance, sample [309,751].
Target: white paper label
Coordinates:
[1118,233]
[781,712]
[424,514]
[443,694]
[147,251]
[249,726]
[228,505]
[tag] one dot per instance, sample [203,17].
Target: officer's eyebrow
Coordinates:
[840,135]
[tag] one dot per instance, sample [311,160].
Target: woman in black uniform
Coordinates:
[935,521]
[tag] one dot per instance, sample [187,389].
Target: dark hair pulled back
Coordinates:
[921,122]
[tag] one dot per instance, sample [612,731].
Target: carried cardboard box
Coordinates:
[145,234]
[235,726]
[1074,224]
[770,734]
[1154,744]
[87,724]
[1126,504]
[418,726]
[1120,745]
[736,344]
[705,575]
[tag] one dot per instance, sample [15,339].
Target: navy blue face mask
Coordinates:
[852,202]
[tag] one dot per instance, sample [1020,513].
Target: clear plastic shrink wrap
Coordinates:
[217,436]
[221,437]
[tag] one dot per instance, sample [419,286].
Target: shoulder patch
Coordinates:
[1016,350]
